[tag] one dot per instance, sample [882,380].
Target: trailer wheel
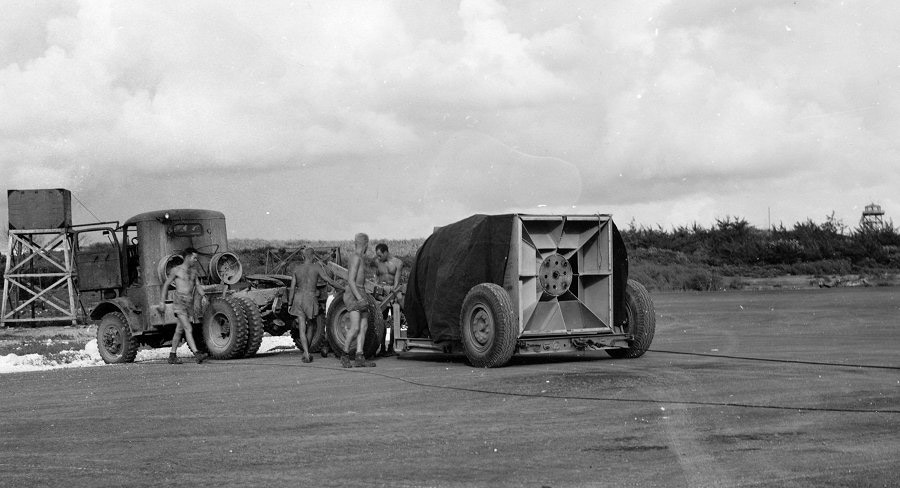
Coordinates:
[254,326]
[114,340]
[225,328]
[338,322]
[641,324]
[489,326]
[318,334]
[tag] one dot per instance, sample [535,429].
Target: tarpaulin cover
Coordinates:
[461,255]
[450,262]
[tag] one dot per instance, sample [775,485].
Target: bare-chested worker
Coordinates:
[304,295]
[389,269]
[187,282]
[357,305]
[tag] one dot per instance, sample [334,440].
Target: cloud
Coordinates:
[438,109]
[486,175]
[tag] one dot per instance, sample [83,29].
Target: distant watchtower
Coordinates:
[872,217]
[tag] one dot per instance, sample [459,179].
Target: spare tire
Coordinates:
[225,267]
[165,265]
[338,322]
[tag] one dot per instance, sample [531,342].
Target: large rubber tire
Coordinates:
[488,326]
[318,335]
[114,340]
[225,328]
[338,321]
[254,326]
[641,324]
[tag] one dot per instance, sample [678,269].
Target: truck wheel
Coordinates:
[114,341]
[254,326]
[338,322]
[225,328]
[489,326]
[641,323]
[318,335]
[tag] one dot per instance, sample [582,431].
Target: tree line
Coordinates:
[700,258]
[733,241]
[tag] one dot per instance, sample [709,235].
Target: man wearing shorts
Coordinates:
[357,305]
[305,299]
[187,282]
[389,270]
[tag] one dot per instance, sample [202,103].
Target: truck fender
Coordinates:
[120,304]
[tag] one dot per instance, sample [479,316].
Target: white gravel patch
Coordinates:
[89,356]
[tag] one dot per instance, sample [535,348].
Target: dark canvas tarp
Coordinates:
[461,255]
[450,262]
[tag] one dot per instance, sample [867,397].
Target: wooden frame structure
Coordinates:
[35,256]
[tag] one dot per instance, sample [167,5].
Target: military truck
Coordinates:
[128,266]
[495,286]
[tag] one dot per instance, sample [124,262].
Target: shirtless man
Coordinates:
[187,281]
[389,269]
[304,295]
[357,305]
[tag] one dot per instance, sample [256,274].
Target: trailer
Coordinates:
[495,286]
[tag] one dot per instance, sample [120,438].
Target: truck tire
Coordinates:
[641,324]
[488,324]
[338,321]
[318,335]
[254,326]
[114,340]
[225,328]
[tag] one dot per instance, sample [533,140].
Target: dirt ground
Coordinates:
[771,388]
[80,333]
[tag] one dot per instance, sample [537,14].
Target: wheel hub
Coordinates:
[481,326]
[111,340]
[223,324]
[555,275]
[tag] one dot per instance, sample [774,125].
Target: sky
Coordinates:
[320,119]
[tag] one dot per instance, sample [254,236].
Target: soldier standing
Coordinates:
[357,305]
[187,282]
[304,295]
[389,271]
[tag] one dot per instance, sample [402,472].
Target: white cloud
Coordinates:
[442,109]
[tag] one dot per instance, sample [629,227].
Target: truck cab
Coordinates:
[128,266]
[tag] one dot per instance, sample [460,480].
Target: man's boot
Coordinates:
[201,356]
[173,359]
[362,362]
[345,360]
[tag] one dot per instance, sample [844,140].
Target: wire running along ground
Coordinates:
[613,399]
[770,360]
